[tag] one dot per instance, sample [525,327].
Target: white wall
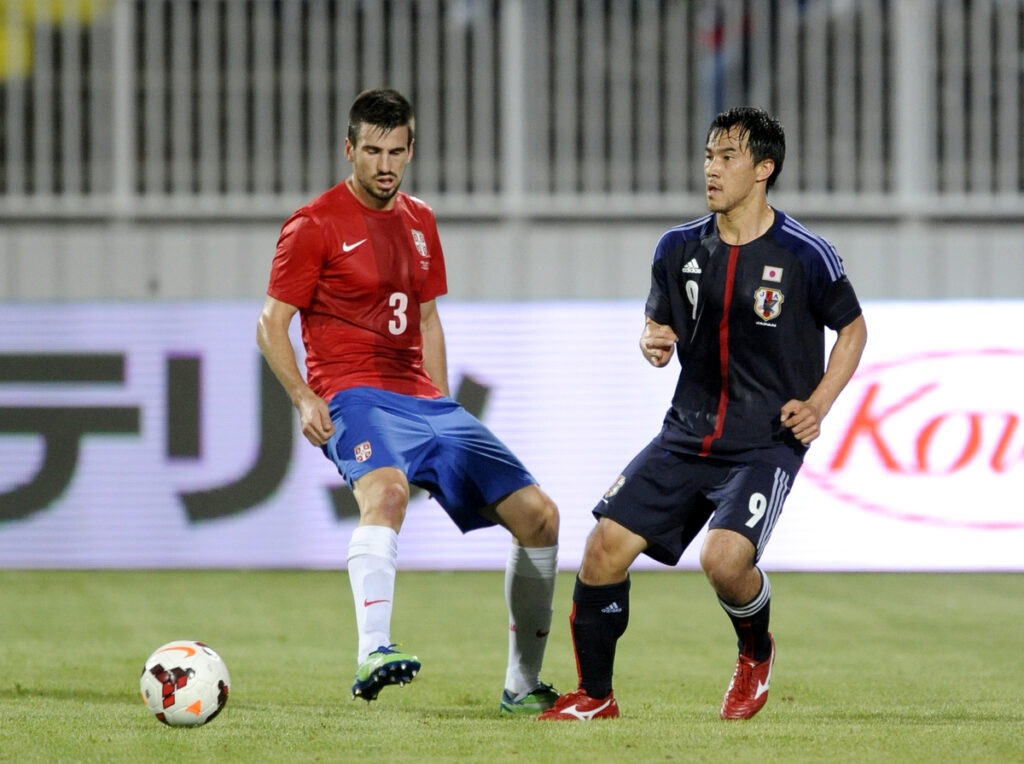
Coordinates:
[517,260]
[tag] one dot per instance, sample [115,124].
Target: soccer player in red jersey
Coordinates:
[743,296]
[362,265]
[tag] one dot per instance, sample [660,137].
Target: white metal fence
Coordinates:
[138,108]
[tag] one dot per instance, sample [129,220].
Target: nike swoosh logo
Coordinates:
[541,633]
[762,688]
[367,603]
[586,715]
[346,247]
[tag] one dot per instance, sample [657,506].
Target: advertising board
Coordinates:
[152,435]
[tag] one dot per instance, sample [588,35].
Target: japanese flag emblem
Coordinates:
[363,451]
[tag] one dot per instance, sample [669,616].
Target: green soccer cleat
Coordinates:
[382,667]
[539,699]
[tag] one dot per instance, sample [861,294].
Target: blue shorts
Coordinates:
[440,447]
[667,497]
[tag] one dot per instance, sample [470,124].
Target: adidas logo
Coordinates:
[612,608]
[691,267]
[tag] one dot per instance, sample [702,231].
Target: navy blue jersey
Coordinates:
[750,321]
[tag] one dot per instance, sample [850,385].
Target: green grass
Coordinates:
[870,668]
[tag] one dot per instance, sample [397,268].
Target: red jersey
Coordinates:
[358,277]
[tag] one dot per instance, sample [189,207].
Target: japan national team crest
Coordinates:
[363,451]
[768,303]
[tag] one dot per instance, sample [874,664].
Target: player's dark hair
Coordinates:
[383,108]
[765,137]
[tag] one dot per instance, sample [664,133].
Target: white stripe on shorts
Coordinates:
[780,490]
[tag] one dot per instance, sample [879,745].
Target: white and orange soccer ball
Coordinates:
[185,683]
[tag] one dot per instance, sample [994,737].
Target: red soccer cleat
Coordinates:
[580,707]
[748,690]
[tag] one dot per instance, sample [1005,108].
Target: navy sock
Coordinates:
[599,617]
[751,622]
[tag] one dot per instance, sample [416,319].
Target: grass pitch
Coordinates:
[870,668]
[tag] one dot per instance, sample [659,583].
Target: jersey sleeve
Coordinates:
[659,305]
[436,283]
[298,261]
[832,299]
[839,304]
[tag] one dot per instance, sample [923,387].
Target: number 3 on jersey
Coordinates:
[757,506]
[399,302]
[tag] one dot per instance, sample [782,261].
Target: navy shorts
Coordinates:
[667,497]
[440,447]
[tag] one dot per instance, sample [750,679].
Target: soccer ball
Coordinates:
[184,683]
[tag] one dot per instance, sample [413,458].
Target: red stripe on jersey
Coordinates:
[723,352]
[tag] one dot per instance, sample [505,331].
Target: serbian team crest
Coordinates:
[768,303]
[421,243]
[421,246]
[363,451]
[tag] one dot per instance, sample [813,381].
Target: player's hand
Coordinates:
[803,418]
[657,343]
[315,418]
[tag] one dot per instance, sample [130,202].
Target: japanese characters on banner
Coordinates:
[135,435]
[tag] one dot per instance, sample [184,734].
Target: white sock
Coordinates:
[529,588]
[372,561]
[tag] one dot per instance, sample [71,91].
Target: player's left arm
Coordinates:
[435,357]
[804,417]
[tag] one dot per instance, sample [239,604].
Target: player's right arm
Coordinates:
[659,338]
[276,346]
[657,342]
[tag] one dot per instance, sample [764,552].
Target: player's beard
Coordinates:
[718,203]
[376,193]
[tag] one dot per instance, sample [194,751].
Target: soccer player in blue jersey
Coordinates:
[743,295]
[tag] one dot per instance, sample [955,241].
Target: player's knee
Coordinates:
[726,555]
[721,578]
[388,503]
[544,522]
[604,560]
[728,575]
[394,495]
